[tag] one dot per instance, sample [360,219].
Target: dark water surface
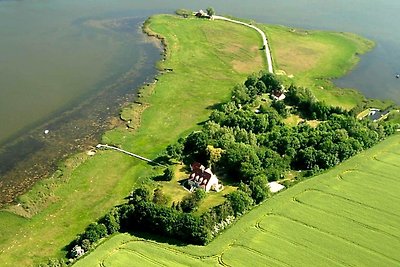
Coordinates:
[68,66]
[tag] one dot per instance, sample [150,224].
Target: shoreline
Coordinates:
[73,130]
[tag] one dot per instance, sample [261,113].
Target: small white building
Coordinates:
[200,177]
[275,187]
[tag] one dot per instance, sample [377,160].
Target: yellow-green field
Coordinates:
[348,216]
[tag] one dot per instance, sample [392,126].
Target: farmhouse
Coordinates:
[200,177]
[278,95]
[202,14]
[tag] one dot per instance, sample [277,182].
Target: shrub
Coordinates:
[159,197]
[112,221]
[240,202]
[191,202]
[94,232]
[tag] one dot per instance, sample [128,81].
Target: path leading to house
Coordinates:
[126,152]
[264,37]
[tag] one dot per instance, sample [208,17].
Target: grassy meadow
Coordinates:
[349,215]
[310,58]
[57,209]
[207,58]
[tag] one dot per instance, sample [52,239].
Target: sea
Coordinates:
[68,66]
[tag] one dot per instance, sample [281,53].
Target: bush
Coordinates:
[94,232]
[159,197]
[139,194]
[259,188]
[240,202]
[112,221]
[191,202]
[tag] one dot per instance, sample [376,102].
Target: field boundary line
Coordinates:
[297,244]
[369,227]
[352,200]
[337,237]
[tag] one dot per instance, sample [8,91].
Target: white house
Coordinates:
[200,177]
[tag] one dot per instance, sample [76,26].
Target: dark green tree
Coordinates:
[112,221]
[210,11]
[168,174]
[191,202]
[139,195]
[259,188]
[94,232]
[240,202]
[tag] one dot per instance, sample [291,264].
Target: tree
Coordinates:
[240,94]
[215,155]
[86,245]
[196,146]
[94,232]
[139,195]
[238,159]
[168,174]
[210,11]
[112,221]
[270,81]
[259,188]
[175,151]
[191,202]
[53,263]
[240,201]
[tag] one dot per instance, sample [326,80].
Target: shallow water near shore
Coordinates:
[68,66]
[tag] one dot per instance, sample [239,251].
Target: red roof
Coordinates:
[199,175]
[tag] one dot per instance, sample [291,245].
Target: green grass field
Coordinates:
[207,58]
[207,62]
[348,216]
[309,58]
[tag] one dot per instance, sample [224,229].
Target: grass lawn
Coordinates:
[349,215]
[207,59]
[309,58]
[197,51]
[174,191]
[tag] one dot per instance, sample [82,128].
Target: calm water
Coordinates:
[59,54]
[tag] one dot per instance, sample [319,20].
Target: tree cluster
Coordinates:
[248,142]
[254,141]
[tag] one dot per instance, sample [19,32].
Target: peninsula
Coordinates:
[201,64]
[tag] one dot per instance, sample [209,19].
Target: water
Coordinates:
[67,65]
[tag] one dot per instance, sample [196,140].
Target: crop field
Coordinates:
[349,215]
